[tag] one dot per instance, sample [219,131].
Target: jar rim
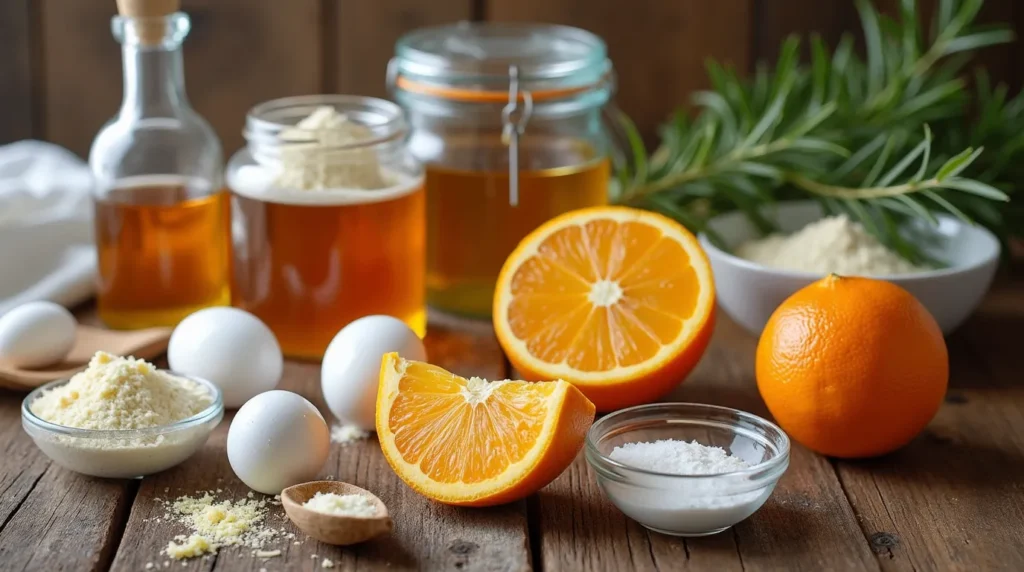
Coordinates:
[265,121]
[475,58]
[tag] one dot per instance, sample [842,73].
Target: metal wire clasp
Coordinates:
[514,118]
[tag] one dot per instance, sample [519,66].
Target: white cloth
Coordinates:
[46,244]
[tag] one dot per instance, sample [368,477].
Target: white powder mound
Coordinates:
[341,505]
[116,393]
[311,160]
[831,245]
[346,434]
[677,457]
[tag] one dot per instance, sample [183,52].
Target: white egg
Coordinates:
[228,347]
[351,365]
[276,440]
[36,334]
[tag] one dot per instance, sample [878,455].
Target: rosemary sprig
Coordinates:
[852,133]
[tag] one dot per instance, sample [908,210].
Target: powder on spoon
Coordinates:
[341,505]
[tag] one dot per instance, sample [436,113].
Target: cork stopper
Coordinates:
[149,17]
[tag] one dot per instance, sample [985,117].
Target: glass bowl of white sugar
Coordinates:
[687,469]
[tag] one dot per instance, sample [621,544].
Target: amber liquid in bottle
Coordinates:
[162,254]
[472,228]
[307,270]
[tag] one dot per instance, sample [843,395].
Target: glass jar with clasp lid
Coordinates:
[507,119]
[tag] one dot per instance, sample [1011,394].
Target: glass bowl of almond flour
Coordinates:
[687,469]
[122,453]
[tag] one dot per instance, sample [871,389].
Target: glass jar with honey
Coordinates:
[328,217]
[507,119]
[161,218]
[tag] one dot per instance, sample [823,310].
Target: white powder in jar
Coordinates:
[683,506]
[312,157]
[341,505]
[830,245]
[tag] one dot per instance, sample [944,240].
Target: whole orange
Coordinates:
[852,367]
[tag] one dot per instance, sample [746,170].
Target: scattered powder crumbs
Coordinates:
[216,524]
[833,244]
[268,553]
[677,457]
[327,563]
[121,393]
[341,505]
[346,434]
[149,565]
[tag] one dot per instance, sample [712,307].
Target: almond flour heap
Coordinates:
[117,393]
[311,158]
[831,245]
[216,524]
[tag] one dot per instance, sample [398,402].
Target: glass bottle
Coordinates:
[327,226]
[507,119]
[162,223]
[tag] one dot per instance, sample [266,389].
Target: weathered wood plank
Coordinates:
[239,53]
[427,535]
[16,77]
[51,518]
[806,525]
[946,501]
[659,48]
[362,38]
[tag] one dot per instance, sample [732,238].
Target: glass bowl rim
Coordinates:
[596,457]
[212,411]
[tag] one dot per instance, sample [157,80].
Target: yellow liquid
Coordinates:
[162,255]
[308,270]
[471,228]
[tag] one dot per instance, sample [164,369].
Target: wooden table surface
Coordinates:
[951,500]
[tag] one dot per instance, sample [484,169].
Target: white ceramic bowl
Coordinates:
[750,292]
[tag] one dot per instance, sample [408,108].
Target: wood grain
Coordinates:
[239,53]
[659,48]
[934,505]
[427,535]
[364,36]
[16,71]
[51,518]
[807,524]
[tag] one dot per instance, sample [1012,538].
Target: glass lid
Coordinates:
[482,53]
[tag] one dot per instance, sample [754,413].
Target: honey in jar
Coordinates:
[161,216]
[329,225]
[507,119]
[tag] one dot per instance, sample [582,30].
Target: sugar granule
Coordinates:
[346,434]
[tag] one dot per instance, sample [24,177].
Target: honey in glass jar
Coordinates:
[161,215]
[328,219]
[507,120]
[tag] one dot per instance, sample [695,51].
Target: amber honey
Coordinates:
[307,270]
[162,253]
[472,227]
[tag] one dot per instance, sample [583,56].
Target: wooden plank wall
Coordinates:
[60,73]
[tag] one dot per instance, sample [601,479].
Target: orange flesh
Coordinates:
[459,430]
[642,282]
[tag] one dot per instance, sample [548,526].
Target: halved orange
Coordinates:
[476,442]
[618,301]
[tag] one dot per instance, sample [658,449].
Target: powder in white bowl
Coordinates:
[688,507]
[830,245]
[341,505]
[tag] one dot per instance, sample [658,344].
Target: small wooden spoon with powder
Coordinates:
[143,344]
[332,528]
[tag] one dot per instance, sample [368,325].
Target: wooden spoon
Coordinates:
[142,344]
[332,528]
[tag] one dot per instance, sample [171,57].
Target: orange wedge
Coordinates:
[618,301]
[475,442]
